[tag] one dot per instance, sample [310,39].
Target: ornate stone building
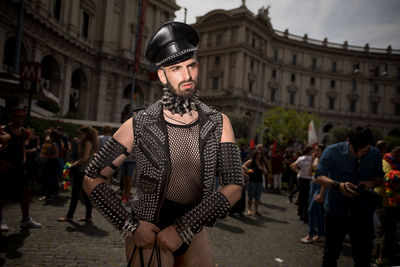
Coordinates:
[248,67]
[85,48]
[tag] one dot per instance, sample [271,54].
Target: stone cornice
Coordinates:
[298,42]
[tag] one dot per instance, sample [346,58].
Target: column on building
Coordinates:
[266,80]
[72,17]
[204,71]
[2,43]
[65,93]
[107,28]
[204,40]
[239,73]
[118,89]
[226,71]
[125,35]
[101,95]
[259,84]
[157,16]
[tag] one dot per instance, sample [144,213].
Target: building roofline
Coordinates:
[285,36]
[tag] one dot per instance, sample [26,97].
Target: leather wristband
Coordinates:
[109,205]
[181,250]
[205,213]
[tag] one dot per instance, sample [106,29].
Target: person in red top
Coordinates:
[277,169]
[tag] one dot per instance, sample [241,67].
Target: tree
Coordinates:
[286,125]
[240,124]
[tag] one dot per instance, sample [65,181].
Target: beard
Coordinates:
[185,94]
[180,101]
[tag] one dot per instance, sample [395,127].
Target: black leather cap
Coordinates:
[172,43]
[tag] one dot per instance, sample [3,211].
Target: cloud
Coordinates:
[357,21]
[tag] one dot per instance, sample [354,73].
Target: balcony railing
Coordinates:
[343,46]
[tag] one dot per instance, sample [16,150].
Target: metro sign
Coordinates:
[30,71]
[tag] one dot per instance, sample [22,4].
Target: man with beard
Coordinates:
[180,144]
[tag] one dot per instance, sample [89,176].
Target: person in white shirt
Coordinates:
[300,166]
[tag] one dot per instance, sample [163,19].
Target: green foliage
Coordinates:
[337,134]
[240,124]
[50,106]
[340,133]
[243,141]
[287,125]
[40,125]
[392,141]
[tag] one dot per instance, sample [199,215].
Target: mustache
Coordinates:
[188,81]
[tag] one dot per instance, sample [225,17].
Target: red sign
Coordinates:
[30,71]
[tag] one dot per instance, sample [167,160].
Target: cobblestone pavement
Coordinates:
[270,240]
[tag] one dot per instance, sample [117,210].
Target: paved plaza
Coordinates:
[270,240]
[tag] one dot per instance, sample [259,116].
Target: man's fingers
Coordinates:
[349,190]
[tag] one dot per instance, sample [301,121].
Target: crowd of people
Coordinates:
[37,164]
[29,164]
[349,188]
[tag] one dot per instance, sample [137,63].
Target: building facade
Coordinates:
[86,51]
[247,67]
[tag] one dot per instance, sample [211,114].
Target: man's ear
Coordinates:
[161,76]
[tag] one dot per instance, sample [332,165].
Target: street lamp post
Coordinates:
[18,37]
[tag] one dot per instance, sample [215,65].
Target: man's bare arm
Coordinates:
[346,188]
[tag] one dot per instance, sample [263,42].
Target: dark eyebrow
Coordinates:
[175,67]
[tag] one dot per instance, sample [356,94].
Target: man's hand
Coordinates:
[145,234]
[319,198]
[169,239]
[348,189]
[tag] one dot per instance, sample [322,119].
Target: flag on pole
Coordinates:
[312,134]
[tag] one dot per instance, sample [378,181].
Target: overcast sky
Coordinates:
[376,22]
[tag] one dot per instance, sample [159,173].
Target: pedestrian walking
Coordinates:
[349,170]
[255,168]
[13,175]
[277,161]
[316,228]
[52,165]
[87,146]
[300,166]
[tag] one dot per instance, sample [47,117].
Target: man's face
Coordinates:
[182,78]
[18,119]
[361,152]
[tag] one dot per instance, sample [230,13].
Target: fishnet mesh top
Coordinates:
[186,184]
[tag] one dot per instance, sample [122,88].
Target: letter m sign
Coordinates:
[30,71]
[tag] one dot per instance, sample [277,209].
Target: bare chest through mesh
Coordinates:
[186,184]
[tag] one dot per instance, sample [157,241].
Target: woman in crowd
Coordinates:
[316,230]
[87,146]
[50,152]
[300,166]
[255,168]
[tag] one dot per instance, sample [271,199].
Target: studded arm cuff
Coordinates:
[229,164]
[109,205]
[107,154]
[204,214]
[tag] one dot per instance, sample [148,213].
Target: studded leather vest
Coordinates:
[151,150]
